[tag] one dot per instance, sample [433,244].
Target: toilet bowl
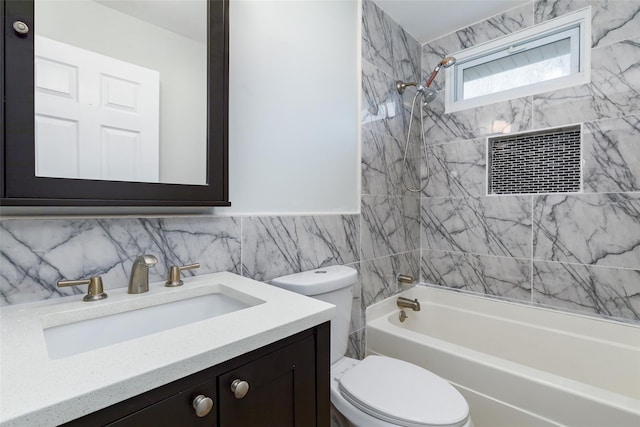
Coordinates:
[377,391]
[407,399]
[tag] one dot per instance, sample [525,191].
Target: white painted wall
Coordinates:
[294,94]
[294,97]
[180,61]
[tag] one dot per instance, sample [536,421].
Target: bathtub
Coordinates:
[516,365]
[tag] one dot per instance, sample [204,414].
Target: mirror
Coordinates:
[175,68]
[120,90]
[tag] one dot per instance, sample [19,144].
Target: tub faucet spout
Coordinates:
[413,304]
[139,279]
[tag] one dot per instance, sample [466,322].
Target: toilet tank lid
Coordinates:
[318,281]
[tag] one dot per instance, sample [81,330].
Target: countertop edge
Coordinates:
[77,404]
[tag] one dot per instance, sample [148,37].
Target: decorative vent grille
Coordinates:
[536,162]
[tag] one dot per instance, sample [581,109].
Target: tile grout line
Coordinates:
[241,247]
[532,251]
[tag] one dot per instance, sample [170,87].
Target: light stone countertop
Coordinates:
[37,391]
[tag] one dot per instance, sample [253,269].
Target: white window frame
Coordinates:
[576,26]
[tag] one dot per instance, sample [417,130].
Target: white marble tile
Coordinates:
[382,164]
[611,20]
[379,276]
[612,155]
[496,225]
[598,229]
[614,90]
[356,344]
[457,169]
[35,254]
[497,26]
[389,225]
[275,246]
[387,46]
[494,119]
[496,276]
[609,292]
[503,117]
[384,110]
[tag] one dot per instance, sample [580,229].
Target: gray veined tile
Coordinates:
[280,245]
[389,225]
[603,291]
[456,169]
[356,344]
[598,229]
[612,155]
[357,321]
[383,108]
[614,90]
[37,253]
[496,225]
[376,37]
[497,276]
[502,117]
[379,276]
[496,26]
[214,243]
[611,20]
[387,46]
[382,164]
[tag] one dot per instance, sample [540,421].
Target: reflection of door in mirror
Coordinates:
[96,62]
[96,116]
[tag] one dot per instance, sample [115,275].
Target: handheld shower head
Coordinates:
[446,62]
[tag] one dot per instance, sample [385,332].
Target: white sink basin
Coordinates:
[77,337]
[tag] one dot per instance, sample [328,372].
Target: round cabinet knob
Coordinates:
[239,388]
[20,28]
[203,405]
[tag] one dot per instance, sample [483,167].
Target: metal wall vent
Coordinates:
[536,162]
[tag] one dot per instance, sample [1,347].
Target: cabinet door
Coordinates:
[281,392]
[175,411]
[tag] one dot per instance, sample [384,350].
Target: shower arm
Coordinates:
[401,86]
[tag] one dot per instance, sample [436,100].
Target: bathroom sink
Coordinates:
[90,334]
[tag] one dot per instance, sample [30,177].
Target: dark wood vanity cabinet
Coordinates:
[281,390]
[288,386]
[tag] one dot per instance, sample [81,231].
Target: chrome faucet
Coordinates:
[139,279]
[413,304]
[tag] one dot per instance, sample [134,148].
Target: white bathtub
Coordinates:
[516,365]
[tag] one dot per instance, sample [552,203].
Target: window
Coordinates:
[548,56]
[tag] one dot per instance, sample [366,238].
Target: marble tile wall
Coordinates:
[576,252]
[381,242]
[36,253]
[390,215]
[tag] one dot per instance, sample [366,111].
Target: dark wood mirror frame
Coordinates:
[18,184]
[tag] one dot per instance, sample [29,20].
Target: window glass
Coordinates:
[548,56]
[539,64]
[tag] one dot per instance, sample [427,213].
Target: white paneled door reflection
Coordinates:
[96,117]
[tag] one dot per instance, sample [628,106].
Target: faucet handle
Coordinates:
[174,274]
[95,291]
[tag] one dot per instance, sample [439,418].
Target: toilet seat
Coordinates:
[403,394]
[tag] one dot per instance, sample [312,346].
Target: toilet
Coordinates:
[378,391]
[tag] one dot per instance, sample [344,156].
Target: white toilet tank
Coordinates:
[331,284]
